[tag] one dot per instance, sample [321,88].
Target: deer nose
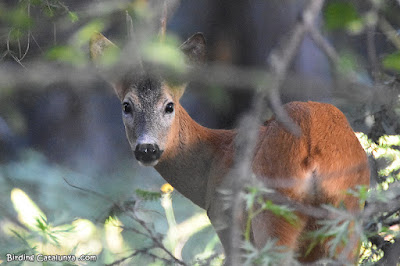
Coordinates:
[147,153]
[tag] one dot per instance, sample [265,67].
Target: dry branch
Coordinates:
[157,242]
[279,63]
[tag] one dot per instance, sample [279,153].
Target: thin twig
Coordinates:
[54,34]
[136,231]
[164,18]
[3,55]
[19,47]
[37,44]
[129,25]
[28,38]
[17,60]
[279,62]
[27,47]
[371,48]
[390,32]
[89,191]
[156,241]
[137,252]
[325,46]
[8,40]
[391,252]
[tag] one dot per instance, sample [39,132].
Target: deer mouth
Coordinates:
[153,163]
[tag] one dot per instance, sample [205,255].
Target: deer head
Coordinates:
[149,103]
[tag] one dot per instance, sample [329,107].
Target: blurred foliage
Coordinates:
[334,232]
[270,254]
[112,239]
[43,214]
[392,61]
[76,52]
[355,19]
[40,213]
[165,54]
[18,21]
[342,15]
[257,202]
[386,153]
[30,231]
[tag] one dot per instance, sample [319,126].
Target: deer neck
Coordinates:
[196,158]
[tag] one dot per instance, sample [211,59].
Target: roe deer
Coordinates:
[320,165]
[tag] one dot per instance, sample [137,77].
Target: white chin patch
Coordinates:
[148,164]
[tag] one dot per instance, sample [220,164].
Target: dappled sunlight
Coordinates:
[28,212]
[79,237]
[386,150]
[85,237]
[179,234]
[183,231]
[93,91]
[114,239]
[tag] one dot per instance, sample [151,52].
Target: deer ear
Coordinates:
[99,46]
[103,54]
[195,48]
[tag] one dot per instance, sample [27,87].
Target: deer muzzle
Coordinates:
[148,154]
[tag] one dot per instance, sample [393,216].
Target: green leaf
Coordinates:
[392,61]
[86,32]
[35,2]
[148,195]
[66,54]
[42,223]
[347,62]
[17,18]
[334,231]
[250,197]
[281,210]
[28,212]
[341,15]
[16,34]
[165,54]
[21,238]
[389,140]
[73,16]
[49,12]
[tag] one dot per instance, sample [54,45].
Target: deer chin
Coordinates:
[152,163]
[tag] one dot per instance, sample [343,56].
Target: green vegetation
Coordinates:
[128,215]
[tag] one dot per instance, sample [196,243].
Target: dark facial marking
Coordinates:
[145,84]
[148,86]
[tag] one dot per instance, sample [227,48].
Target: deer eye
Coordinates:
[126,108]
[169,108]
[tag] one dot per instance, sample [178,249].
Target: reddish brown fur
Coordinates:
[319,166]
[316,168]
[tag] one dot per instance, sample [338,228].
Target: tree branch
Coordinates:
[279,63]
